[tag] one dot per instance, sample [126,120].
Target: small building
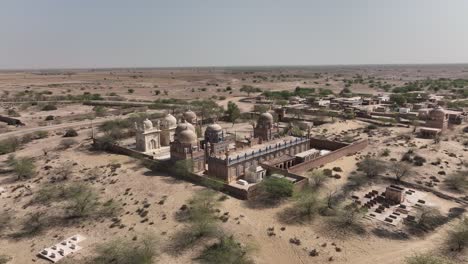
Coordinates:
[438,118]
[429,132]
[395,194]
[147,136]
[404,110]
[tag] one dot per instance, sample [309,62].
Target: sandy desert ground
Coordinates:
[131,183]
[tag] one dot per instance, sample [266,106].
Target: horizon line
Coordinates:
[230,66]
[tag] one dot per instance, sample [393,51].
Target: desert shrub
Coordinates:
[82,201]
[49,107]
[5,220]
[63,171]
[427,219]
[124,251]
[110,125]
[49,118]
[12,113]
[426,259]
[418,160]
[41,134]
[348,219]
[23,167]
[457,181]
[327,172]
[337,169]
[371,167]
[457,238]
[385,153]
[400,170]
[25,139]
[305,208]
[130,91]
[9,145]
[100,110]
[34,224]
[4,259]
[67,143]
[103,142]
[70,133]
[201,219]
[227,250]
[277,188]
[318,178]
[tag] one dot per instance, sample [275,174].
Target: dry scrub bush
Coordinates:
[227,251]
[347,220]
[457,181]
[457,238]
[426,259]
[23,167]
[4,259]
[124,251]
[201,219]
[67,143]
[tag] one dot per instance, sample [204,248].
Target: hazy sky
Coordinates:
[139,33]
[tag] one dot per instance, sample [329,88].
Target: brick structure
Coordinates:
[233,164]
[187,147]
[438,118]
[394,194]
[264,127]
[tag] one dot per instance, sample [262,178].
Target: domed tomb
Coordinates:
[214,133]
[190,117]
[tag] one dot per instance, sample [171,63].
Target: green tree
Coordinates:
[227,251]
[457,238]
[233,112]
[371,167]
[277,188]
[249,89]
[23,167]
[398,99]
[124,251]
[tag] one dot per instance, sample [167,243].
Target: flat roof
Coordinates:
[248,150]
[307,153]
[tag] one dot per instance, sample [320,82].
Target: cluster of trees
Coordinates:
[250,89]
[302,92]
[12,144]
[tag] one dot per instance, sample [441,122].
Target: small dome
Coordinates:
[147,124]
[214,128]
[169,121]
[187,136]
[190,116]
[183,126]
[266,117]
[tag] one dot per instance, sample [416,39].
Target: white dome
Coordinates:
[147,124]
[266,117]
[169,121]
[214,127]
[183,126]
[187,137]
[190,116]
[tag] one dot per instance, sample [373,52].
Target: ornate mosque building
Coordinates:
[219,154]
